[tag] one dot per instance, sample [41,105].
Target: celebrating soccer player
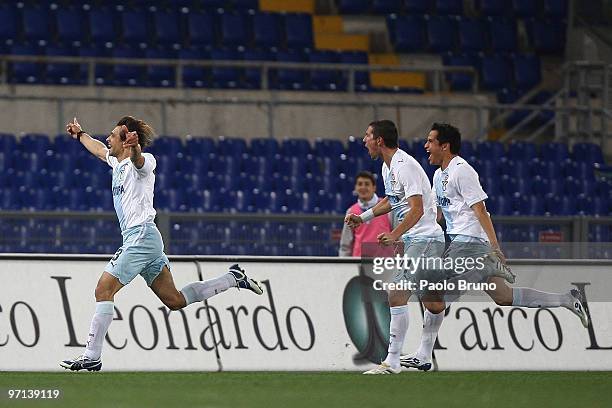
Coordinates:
[408,193]
[142,252]
[460,200]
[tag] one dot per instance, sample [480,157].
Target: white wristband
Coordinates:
[367,215]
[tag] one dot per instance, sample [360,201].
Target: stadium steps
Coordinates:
[394,80]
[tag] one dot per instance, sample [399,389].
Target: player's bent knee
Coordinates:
[176,302]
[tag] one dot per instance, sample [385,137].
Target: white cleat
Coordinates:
[413,362]
[383,368]
[499,268]
[577,308]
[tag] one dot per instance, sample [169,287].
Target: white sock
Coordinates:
[397,331]
[528,297]
[97,331]
[199,291]
[431,326]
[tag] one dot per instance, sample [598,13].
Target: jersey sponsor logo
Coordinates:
[118,190]
[443,201]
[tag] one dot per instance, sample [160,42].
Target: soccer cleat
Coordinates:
[576,307]
[243,281]
[383,368]
[499,268]
[82,363]
[413,362]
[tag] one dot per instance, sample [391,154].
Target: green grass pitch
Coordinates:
[272,389]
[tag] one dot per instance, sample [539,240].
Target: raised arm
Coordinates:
[131,142]
[94,146]
[381,207]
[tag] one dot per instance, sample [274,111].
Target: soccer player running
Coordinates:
[142,252]
[409,195]
[460,200]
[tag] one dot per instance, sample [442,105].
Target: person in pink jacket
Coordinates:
[352,239]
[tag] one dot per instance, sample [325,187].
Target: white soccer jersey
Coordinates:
[133,190]
[457,188]
[406,178]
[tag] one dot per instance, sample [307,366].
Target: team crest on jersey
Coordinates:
[392,179]
[444,182]
[121,176]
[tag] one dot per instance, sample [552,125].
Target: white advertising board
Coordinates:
[313,316]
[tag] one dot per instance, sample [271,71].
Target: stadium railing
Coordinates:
[435,73]
[278,234]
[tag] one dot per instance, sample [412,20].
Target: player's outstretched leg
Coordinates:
[236,277]
[528,297]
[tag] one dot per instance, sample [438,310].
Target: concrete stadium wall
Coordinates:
[181,115]
[313,316]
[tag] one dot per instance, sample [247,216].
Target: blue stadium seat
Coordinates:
[225,77]
[166,27]
[134,28]
[102,26]
[252,76]
[386,6]
[231,146]
[492,7]
[26,72]
[36,25]
[546,37]
[407,32]
[533,206]
[266,30]
[70,23]
[102,72]
[417,6]
[362,78]
[502,33]
[328,148]
[200,147]
[194,76]
[495,73]
[587,152]
[9,28]
[128,75]
[524,8]
[170,145]
[201,28]
[451,7]
[328,80]
[441,32]
[290,78]
[555,152]
[471,35]
[499,205]
[233,29]
[246,4]
[527,71]
[601,206]
[555,8]
[295,147]
[58,73]
[490,151]
[35,143]
[160,75]
[459,81]
[298,31]
[353,6]
[599,233]
[563,206]
[264,147]
[523,151]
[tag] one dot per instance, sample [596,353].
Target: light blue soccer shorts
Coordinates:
[142,253]
[421,247]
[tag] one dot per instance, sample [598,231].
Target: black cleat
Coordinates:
[82,363]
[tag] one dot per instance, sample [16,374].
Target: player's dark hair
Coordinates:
[144,131]
[387,130]
[448,134]
[366,174]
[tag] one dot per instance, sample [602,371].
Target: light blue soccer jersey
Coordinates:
[457,188]
[405,178]
[133,190]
